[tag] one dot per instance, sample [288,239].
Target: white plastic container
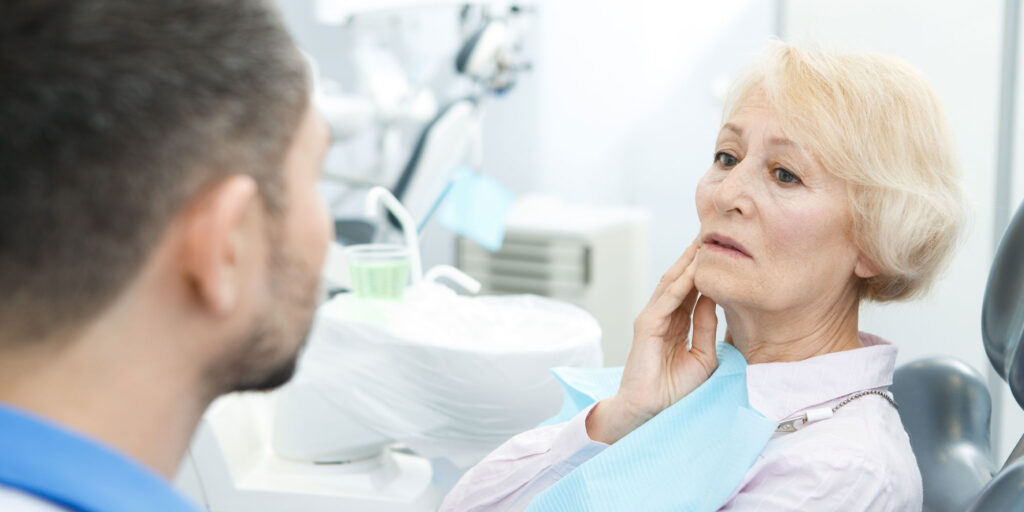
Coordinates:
[449,376]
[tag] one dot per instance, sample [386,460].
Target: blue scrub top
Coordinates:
[51,462]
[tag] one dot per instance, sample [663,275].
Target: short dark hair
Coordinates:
[113,115]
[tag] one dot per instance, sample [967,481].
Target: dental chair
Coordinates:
[946,407]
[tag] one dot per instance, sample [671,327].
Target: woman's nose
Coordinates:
[733,194]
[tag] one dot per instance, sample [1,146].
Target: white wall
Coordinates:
[1017,186]
[958,46]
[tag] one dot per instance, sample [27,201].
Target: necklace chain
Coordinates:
[851,398]
[791,425]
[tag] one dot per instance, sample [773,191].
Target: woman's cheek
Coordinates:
[801,230]
[703,198]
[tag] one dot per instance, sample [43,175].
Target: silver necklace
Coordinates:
[822,413]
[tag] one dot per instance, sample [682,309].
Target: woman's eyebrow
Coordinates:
[733,128]
[775,140]
[782,141]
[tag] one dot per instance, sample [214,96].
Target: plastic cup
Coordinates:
[378,271]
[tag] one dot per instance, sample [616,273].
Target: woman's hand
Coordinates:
[661,369]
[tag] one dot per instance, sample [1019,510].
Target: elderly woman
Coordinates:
[833,181]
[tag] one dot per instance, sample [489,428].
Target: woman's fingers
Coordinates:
[691,298]
[676,294]
[675,271]
[705,327]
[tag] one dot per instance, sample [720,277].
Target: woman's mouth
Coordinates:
[725,245]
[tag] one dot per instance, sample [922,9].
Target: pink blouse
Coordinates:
[860,459]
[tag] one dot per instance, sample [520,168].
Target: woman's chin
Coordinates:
[714,287]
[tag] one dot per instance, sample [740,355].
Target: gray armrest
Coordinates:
[1005,493]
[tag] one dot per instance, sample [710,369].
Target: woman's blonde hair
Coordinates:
[873,121]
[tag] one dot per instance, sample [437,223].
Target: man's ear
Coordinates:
[865,268]
[215,237]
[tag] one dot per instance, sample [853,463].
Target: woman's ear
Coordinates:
[865,268]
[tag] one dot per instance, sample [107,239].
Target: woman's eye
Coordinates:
[726,159]
[785,176]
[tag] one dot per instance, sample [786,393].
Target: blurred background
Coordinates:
[611,108]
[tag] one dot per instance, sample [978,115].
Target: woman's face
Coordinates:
[775,226]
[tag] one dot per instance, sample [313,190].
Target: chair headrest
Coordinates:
[1002,314]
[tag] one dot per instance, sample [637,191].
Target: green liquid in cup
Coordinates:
[381,280]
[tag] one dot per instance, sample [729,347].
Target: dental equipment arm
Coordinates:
[380,196]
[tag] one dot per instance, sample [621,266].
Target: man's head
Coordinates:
[167,136]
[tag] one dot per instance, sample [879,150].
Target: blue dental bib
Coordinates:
[690,457]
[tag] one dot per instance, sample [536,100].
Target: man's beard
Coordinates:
[266,357]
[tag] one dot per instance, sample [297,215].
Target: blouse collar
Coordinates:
[780,390]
